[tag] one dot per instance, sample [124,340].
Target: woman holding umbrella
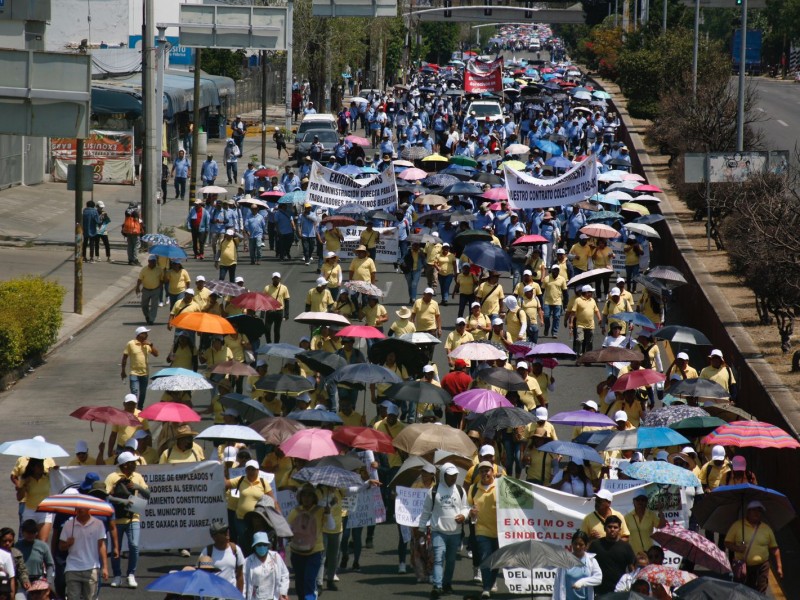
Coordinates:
[577,583]
[754,544]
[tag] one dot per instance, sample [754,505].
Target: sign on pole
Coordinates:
[732,167]
[354,8]
[214,26]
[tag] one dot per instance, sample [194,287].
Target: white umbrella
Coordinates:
[213,189]
[179,383]
[478,351]
[624,186]
[642,229]
[35,447]
[647,198]
[610,176]
[359,100]
[255,201]
[233,433]
[420,337]
[617,195]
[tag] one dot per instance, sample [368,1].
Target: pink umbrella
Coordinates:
[274,195]
[529,240]
[361,331]
[694,546]
[648,188]
[413,174]
[632,177]
[480,400]
[310,444]
[171,412]
[496,193]
[360,141]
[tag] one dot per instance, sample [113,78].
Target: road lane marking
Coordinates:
[784,123]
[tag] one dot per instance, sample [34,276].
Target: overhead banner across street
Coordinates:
[579,183]
[480,77]
[332,189]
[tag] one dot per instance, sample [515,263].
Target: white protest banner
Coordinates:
[287,500]
[332,189]
[617,485]
[577,184]
[408,505]
[527,511]
[618,262]
[387,250]
[184,499]
[369,509]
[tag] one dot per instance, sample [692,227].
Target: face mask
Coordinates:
[261,550]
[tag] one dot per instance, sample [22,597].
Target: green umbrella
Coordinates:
[464,161]
[693,427]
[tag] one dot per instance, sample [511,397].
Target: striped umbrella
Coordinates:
[68,504]
[753,434]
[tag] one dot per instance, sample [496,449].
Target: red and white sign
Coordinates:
[109,153]
[480,77]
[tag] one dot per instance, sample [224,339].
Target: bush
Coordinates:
[34,305]
[11,354]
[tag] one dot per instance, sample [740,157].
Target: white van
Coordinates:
[317,121]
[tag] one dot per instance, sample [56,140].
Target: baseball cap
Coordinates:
[522,365]
[230,412]
[199,278]
[130,398]
[590,404]
[230,232]
[448,469]
[392,410]
[718,453]
[460,321]
[497,321]
[640,494]
[428,369]
[755,504]
[662,456]
[239,279]
[474,304]
[615,291]
[141,330]
[428,291]
[739,463]
[218,527]
[321,281]
[682,356]
[510,302]
[561,251]
[583,236]
[330,255]
[251,464]
[189,291]
[152,257]
[527,288]
[276,274]
[715,352]
[125,457]
[81,446]
[485,464]
[229,454]
[460,362]
[541,414]
[587,288]
[621,415]
[620,280]
[260,537]
[486,450]
[527,272]
[604,494]
[689,450]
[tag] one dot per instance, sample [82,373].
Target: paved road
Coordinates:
[779,104]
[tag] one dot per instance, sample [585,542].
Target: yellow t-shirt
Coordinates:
[531,308]
[151,278]
[332,242]
[543,379]
[319,301]
[446,264]
[392,432]
[279,292]
[201,297]
[178,281]
[249,494]
[474,325]
[373,313]
[466,284]
[369,238]
[486,503]
[640,539]
[362,269]
[601,257]
[631,258]
[612,308]
[171,456]
[235,343]
[228,252]
[763,541]
[723,376]
[126,432]
[563,270]
[646,308]
[114,478]
[184,305]
[554,288]
[519,291]
[332,274]
[403,326]
[425,314]
[530,397]
[454,340]
[215,357]
[530,428]
[354,419]
[712,476]
[540,466]
[490,297]
[580,256]
[137,355]
[584,312]
[346,309]
[36,490]
[432,252]
[517,324]
[593,522]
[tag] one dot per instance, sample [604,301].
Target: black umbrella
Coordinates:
[363,373]
[669,275]
[249,409]
[659,288]
[678,334]
[487,255]
[406,354]
[321,361]
[315,415]
[342,461]
[609,355]
[502,378]
[249,325]
[458,216]
[698,388]
[282,383]
[728,412]
[418,391]
[618,162]
[354,210]
[711,588]
[381,215]
[490,178]
[649,219]
[411,188]
[469,236]
[461,189]
[502,418]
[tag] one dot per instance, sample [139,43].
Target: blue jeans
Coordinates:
[445,281]
[533,333]
[403,246]
[445,551]
[255,249]
[229,271]
[412,279]
[232,171]
[180,187]
[464,300]
[552,315]
[173,298]
[516,273]
[306,568]
[630,274]
[132,531]
[355,532]
[485,546]
[138,384]
[513,455]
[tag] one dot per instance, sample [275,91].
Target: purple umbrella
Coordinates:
[479,400]
[552,350]
[583,418]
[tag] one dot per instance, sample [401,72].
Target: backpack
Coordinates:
[131,225]
[304,529]
[233,548]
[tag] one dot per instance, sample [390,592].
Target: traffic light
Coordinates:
[738,2]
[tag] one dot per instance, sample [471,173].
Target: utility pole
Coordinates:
[149,175]
[664,19]
[742,69]
[289,61]
[695,48]
[77,300]
[196,127]
[161,58]
[263,107]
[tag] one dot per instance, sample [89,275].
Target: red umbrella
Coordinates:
[497,193]
[171,412]
[648,188]
[266,173]
[256,301]
[309,444]
[361,331]
[529,240]
[272,195]
[365,438]
[753,434]
[106,414]
[637,379]
[359,141]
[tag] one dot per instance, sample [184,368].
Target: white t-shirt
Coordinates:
[7,563]
[226,562]
[83,554]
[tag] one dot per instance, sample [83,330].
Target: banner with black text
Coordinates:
[577,184]
[332,189]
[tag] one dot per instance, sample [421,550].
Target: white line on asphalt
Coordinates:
[784,123]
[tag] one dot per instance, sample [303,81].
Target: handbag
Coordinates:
[739,567]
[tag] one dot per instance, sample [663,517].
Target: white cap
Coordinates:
[497,321]
[392,410]
[522,365]
[321,281]
[428,369]
[620,280]
[486,450]
[130,398]
[527,288]
[428,468]
[689,450]
[662,456]
[615,291]
[590,404]
[448,469]
[460,320]
[330,255]
[541,414]
[132,444]
[561,251]
[200,278]
[510,302]
[189,291]
[637,457]
[276,274]
[230,412]
[125,457]
[428,291]
[756,504]
[718,453]
[474,304]
[682,356]
[527,272]
[251,463]
[230,232]
[141,330]
[715,352]
[239,279]
[621,415]
[81,446]
[587,288]
[229,454]
[583,236]
[604,494]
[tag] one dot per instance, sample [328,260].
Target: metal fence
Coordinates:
[248,90]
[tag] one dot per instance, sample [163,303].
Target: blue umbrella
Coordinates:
[643,437]
[369,171]
[573,450]
[280,350]
[461,189]
[488,256]
[726,504]
[649,219]
[195,583]
[171,252]
[315,415]
[170,371]
[603,215]
[559,162]
[661,472]
[355,210]
[159,238]
[456,170]
[601,95]
[549,147]
[294,197]
[330,476]
[635,318]
[439,180]
[285,200]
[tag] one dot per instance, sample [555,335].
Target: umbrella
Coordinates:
[649,219]
[440,180]
[365,438]
[266,172]
[488,256]
[726,504]
[461,189]
[198,582]
[422,438]
[610,176]
[256,301]
[357,210]
[641,438]
[579,452]
[697,426]
[634,207]
[420,338]
[549,147]
[330,476]
[363,287]
[265,516]
[338,221]
[635,318]
[517,149]
[583,418]
[558,162]
[478,400]
[204,323]
[409,471]
[636,379]
[750,434]
[590,206]
[364,373]
[664,417]
[159,239]
[430,200]
[286,351]
[648,188]
[618,195]
[418,391]
[601,95]
[592,438]
[322,318]
[170,371]
[552,350]
[497,193]
[349,462]
[284,383]
[609,355]
[276,430]
[249,409]
[406,354]
[219,434]
[679,334]
[517,165]
[711,588]
[478,351]
[359,141]
[68,504]
[529,240]
[692,546]
[642,229]
[107,415]
[604,215]
[235,368]
[665,274]
[669,577]
[213,189]
[502,418]
[179,383]
[423,238]
[414,153]
[361,331]
[168,251]
[661,472]
[698,388]
[727,412]
[413,174]
[249,325]
[315,415]
[464,161]
[502,378]
[591,275]
[321,361]
[170,412]
[309,444]
[294,197]
[471,235]
[490,178]
[434,158]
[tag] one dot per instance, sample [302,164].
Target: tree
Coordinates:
[440,41]
[219,61]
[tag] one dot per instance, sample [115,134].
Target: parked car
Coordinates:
[317,121]
[327,137]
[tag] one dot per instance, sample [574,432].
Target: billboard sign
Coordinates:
[178,55]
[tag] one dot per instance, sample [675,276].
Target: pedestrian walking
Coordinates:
[231,156]
[138,350]
[102,231]
[83,538]
[180,173]
[198,223]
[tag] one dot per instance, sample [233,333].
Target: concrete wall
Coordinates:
[22,160]
[70,22]
[166,12]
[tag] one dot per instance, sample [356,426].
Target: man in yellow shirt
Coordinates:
[547,383]
[532,397]
[718,371]
[527,280]
[753,541]
[483,500]
[370,238]
[122,433]
[138,349]
[350,416]
[580,253]
[455,338]
[445,266]
[184,449]
[593,523]
[582,316]
[533,311]
[498,334]
[641,522]
[274,318]
[465,288]
[425,314]
[624,294]
[201,292]
[184,305]
[148,286]
[227,255]
[713,473]
[362,268]
[490,295]
[319,298]
[432,251]
[615,305]
[553,288]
